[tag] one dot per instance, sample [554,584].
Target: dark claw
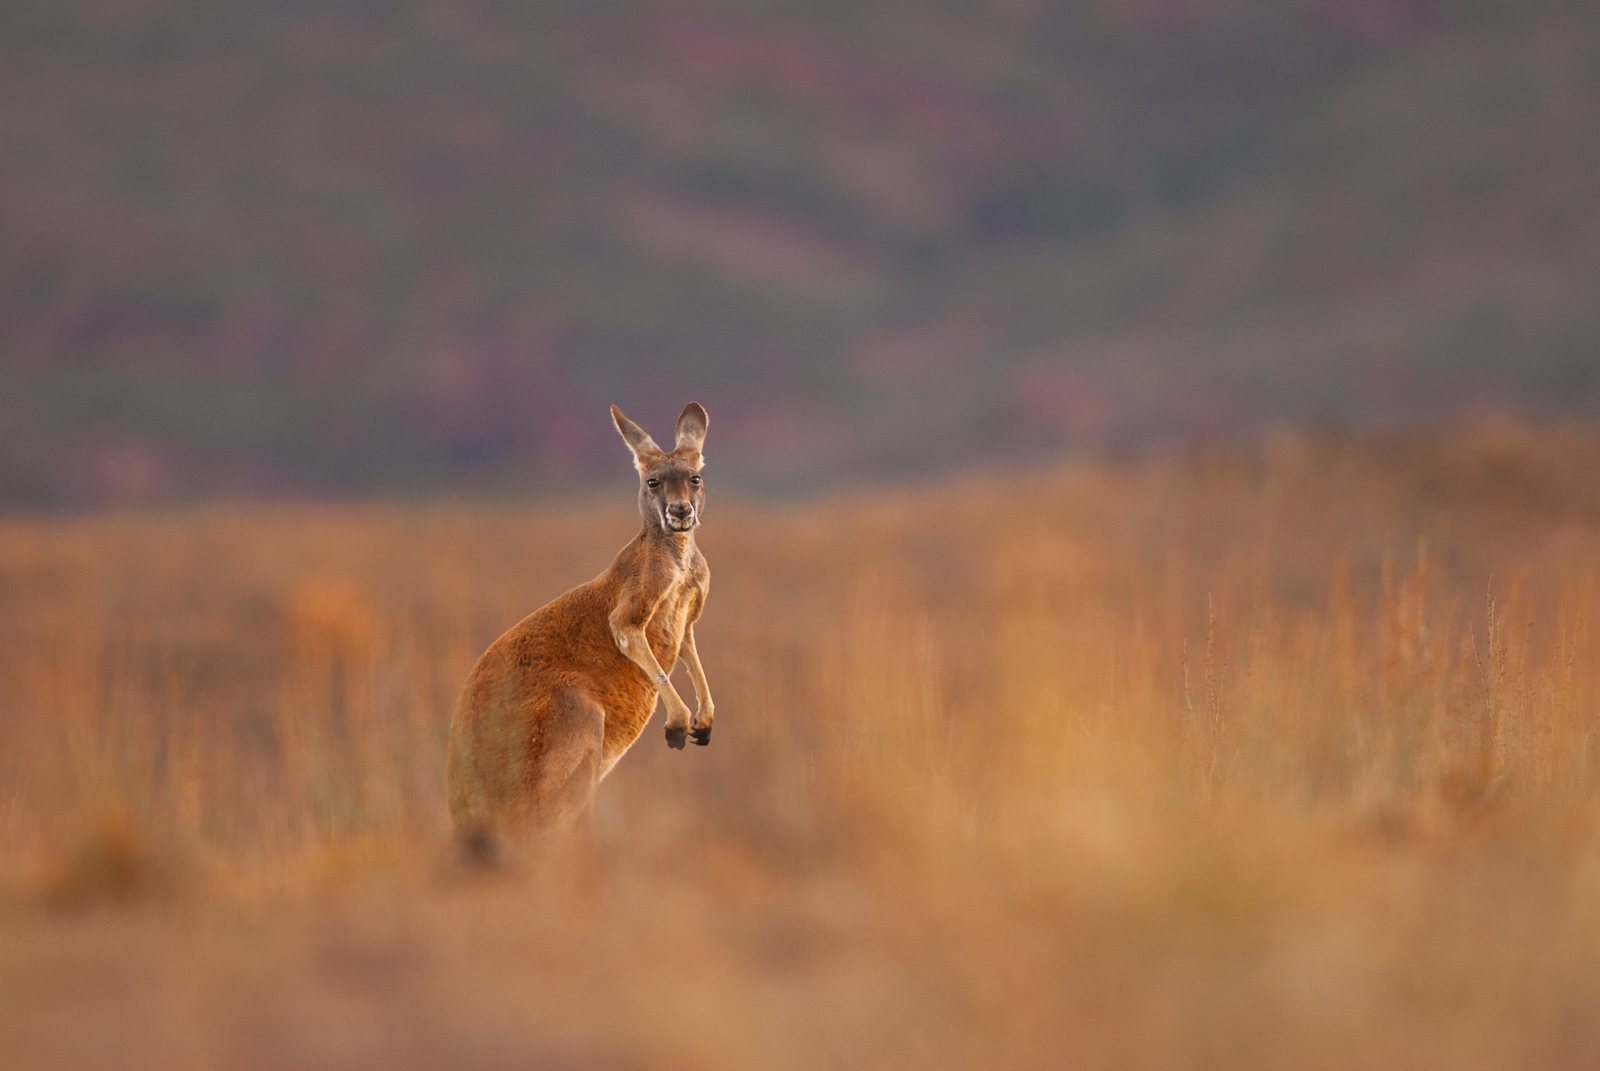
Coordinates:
[675,736]
[702,735]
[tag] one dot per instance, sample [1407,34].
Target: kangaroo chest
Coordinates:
[665,628]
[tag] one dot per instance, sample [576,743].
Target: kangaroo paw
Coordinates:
[702,735]
[675,736]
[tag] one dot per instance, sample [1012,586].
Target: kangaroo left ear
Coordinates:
[691,430]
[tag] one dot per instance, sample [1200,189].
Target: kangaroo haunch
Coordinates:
[553,704]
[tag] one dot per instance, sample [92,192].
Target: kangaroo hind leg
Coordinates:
[569,769]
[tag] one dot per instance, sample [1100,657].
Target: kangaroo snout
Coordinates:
[680,515]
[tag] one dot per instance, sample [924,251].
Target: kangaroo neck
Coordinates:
[678,544]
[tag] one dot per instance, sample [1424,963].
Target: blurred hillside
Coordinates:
[357,245]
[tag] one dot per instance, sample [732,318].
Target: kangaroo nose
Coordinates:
[680,509]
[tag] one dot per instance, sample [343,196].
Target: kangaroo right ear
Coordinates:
[637,439]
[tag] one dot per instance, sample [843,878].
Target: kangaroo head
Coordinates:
[671,493]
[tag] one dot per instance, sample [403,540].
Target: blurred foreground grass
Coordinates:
[1272,759]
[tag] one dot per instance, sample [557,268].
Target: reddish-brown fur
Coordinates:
[553,704]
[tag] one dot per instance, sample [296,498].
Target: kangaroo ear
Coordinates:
[692,427]
[637,439]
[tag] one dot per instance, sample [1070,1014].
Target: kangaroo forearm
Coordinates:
[697,673]
[702,690]
[633,645]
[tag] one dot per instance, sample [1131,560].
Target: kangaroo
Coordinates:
[556,701]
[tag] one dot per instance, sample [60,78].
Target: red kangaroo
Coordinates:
[556,701]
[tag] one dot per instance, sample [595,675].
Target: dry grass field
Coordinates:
[1283,758]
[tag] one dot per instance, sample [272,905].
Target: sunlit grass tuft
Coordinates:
[1282,759]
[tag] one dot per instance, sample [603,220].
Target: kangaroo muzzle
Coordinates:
[679,516]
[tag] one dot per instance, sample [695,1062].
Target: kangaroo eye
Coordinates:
[652,483]
[694,479]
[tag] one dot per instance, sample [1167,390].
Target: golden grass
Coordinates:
[1280,759]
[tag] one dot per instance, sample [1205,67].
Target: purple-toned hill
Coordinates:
[359,247]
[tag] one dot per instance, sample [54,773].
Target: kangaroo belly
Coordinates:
[665,630]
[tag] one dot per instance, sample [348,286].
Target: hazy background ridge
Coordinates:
[278,247]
